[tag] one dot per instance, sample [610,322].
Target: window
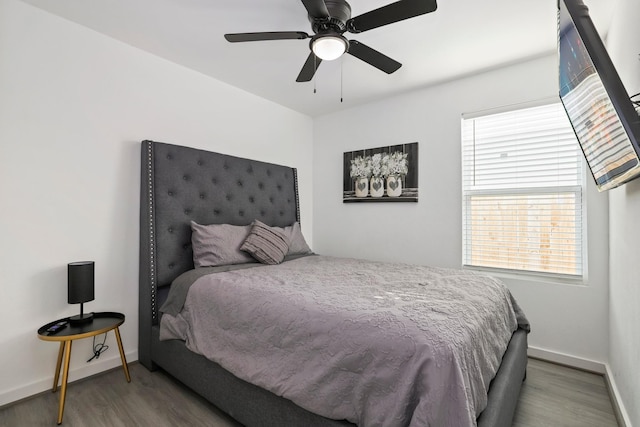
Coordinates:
[522,192]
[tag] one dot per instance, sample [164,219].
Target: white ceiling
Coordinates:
[461,37]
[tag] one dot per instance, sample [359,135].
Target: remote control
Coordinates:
[57,327]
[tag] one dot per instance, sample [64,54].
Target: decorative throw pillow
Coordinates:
[297,244]
[266,244]
[219,244]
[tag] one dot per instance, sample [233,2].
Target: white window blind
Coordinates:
[522,192]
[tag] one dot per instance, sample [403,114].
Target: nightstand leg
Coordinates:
[65,377]
[124,359]
[58,364]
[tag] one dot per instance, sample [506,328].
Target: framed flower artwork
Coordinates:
[383,174]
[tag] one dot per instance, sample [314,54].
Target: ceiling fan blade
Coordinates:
[394,12]
[373,57]
[316,8]
[309,68]
[273,35]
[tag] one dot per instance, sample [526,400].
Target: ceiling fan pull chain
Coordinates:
[341,73]
[315,67]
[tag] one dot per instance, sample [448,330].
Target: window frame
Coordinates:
[580,189]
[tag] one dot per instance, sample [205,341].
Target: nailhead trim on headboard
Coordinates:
[295,183]
[152,261]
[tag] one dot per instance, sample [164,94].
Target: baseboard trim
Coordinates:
[567,360]
[45,384]
[618,407]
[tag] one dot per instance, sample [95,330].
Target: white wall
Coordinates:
[624,211]
[566,319]
[74,106]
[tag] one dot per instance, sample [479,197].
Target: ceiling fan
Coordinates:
[330,19]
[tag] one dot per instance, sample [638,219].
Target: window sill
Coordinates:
[531,276]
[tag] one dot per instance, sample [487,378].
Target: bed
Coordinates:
[180,185]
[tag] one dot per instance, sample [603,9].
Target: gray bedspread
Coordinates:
[377,344]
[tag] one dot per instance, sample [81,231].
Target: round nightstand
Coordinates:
[102,323]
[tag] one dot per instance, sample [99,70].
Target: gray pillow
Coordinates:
[219,244]
[297,244]
[266,244]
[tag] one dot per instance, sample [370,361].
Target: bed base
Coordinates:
[253,406]
[246,403]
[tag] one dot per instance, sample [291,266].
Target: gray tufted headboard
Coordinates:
[180,184]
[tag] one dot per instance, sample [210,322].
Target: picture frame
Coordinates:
[381,174]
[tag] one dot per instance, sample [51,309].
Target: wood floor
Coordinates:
[552,396]
[557,396]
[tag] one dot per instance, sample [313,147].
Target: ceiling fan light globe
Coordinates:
[329,48]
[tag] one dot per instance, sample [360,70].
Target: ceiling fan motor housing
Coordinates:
[339,14]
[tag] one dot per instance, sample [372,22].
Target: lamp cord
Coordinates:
[98,348]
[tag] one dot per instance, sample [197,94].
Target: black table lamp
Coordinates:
[80,288]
